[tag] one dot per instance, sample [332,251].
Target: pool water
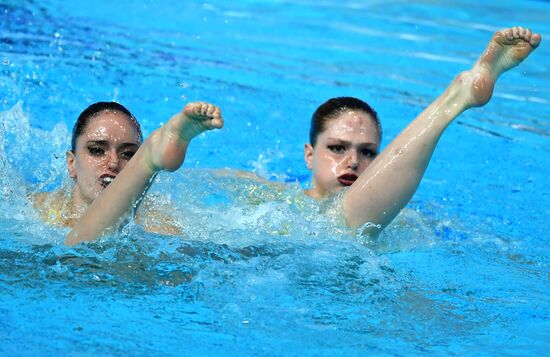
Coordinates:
[465,271]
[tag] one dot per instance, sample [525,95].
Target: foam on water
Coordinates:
[257,270]
[252,258]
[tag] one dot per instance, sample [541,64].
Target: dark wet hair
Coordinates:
[94,110]
[334,107]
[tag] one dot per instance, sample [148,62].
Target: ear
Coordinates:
[69,159]
[308,155]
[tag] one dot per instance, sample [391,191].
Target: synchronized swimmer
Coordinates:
[112,168]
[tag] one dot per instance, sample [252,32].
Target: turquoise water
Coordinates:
[257,276]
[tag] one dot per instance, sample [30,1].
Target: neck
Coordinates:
[313,193]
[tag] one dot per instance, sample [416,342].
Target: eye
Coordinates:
[368,153]
[127,155]
[337,149]
[96,151]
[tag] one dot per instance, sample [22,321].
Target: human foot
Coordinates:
[507,49]
[168,144]
[196,118]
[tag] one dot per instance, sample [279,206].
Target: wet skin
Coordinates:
[108,142]
[343,151]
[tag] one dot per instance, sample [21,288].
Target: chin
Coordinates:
[336,189]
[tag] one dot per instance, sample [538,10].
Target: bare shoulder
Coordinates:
[38,198]
[42,199]
[49,205]
[157,217]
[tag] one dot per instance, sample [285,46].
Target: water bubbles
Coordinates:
[184,85]
[116,92]
[208,6]
[5,61]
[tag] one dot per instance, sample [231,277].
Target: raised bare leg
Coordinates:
[165,149]
[390,181]
[167,145]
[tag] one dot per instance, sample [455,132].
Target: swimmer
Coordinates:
[105,137]
[345,139]
[111,169]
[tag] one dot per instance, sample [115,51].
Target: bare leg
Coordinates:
[165,149]
[390,181]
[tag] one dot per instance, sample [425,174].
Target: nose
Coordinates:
[353,160]
[113,162]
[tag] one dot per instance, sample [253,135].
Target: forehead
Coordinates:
[110,126]
[352,123]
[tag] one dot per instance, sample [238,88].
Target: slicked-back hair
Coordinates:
[334,107]
[93,111]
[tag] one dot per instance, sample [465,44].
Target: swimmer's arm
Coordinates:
[247,175]
[157,219]
[251,176]
[227,172]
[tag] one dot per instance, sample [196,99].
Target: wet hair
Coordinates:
[334,107]
[94,110]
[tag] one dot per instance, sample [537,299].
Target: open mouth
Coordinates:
[105,180]
[347,179]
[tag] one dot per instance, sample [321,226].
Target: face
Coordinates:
[106,145]
[343,151]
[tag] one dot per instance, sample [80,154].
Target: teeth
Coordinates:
[107,179]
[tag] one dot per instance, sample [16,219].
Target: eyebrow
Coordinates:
[344,142]
[106,143]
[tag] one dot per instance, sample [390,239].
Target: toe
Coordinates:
[217,113]
[210,111]
[509,34]
[535,40]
